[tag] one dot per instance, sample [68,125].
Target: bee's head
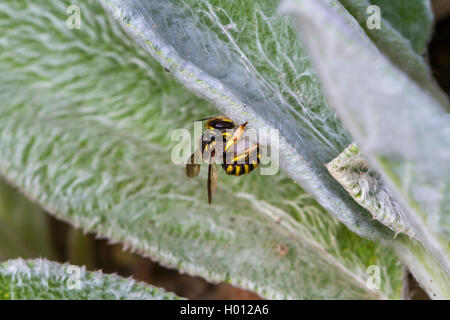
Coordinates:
[219,123]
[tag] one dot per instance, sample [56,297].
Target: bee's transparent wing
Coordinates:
[213,175]
[193,164]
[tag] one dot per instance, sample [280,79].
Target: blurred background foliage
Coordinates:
[27,231]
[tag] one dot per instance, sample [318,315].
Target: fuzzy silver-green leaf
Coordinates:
[40,279]
[85,128]
[402,130]
[405,28]
[246,59]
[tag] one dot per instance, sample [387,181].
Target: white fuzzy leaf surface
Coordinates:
[85,127]
[246,59]
[402,130]
[40,279]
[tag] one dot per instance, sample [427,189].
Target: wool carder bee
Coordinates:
[222,143]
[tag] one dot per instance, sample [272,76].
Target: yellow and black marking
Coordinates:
[239,168]
[237,165]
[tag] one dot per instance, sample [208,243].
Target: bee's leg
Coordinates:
[246,153]
[236,136]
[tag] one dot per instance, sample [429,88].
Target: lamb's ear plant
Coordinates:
[39,279]
[87,116]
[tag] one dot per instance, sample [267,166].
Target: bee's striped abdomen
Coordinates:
[238,169]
